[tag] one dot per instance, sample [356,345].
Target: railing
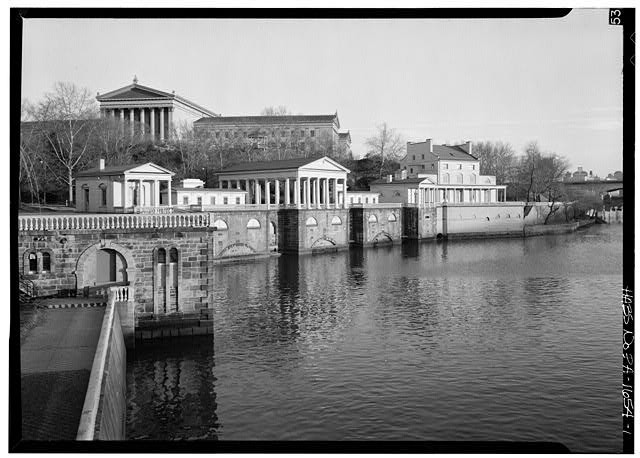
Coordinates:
[122,293]
[161,210]
[110,221]
[26,286]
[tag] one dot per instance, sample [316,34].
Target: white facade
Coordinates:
[122,189]
[363,197]
[207,197]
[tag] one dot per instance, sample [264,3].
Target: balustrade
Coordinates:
[101,222]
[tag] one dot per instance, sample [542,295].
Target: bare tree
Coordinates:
[495,159]
[66,120]
[386,144]
[281,110]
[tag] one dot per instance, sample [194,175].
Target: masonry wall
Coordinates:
[330,230]
[468,220]
[371,226]
[239,239]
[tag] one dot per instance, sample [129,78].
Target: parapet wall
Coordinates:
[503,218]
[376,224]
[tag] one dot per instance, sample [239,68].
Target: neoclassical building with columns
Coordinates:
[149,111]
[300,183]
[123,189]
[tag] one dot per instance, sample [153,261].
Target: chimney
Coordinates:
[389,178]
[101,165]
[469,147]
[429,145]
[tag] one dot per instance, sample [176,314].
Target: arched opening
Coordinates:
[392,218]
[273,235]
[46,262]
[220,225]
[373,218]
[173,255]
[311,221]
[33,263]
[253,224]
[110,267]
[162,256]
[336,221]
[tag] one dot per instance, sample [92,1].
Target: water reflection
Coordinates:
[171,391]
[383,343]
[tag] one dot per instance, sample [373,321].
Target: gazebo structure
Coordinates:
[318,182]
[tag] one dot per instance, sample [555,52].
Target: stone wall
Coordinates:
[375,225]
[243,236]
[488,219]
[304,231]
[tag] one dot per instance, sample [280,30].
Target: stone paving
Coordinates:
[56,358]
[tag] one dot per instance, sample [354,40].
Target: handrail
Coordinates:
[101,221]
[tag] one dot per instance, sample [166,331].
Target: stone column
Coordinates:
[122,119]
[170,121]
[140,193]
[142,126]
[307,192]
[238,184]
[169,197]
[247,187]
[287,197]
[326,193]
[344,193]
[267,193]
[316,193]
[296,192]
[152,127]
[162,124]
[277,185]
[156,193]
[228,184]
[125,193]
[132,117]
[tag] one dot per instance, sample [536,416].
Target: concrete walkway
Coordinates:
[56,358]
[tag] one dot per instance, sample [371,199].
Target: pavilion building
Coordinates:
[299,183]
[431,174]
[149,111]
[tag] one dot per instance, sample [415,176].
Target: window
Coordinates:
[423,157]
[445,166]
[46,262]
[352,200]
[422,166]
[253,224]
[473,166]
[33,263]
[411,169]
[185,200]
[335,221]
[237,200]
[359,200]
[373,219]
[173,255]
[103,193]
[220,225]
[199,200]
[433,166]
[414,157]
[459,166]
[366,200]
[312,133]
[311,221]
[392,218]
[162,256]
[282,133]
[225,200]
[302,133]
[213,200]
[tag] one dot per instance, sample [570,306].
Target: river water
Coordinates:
[503,339]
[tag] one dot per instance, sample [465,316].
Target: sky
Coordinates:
[556,81]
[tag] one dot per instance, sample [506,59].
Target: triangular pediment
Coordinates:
[325,163]
[133,92]
[149,167]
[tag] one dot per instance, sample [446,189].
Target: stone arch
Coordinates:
[372,218]
[220,225]
[236,249]
[323,242]
[336,221]
[81,274]
[382,237]
[311,221]
[392,217]
[253,224]
[30,259]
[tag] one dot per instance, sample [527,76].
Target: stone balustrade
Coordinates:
[123,293]
[52,222]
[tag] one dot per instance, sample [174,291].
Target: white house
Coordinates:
[122,189]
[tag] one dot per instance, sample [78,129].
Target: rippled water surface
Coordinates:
[511,339]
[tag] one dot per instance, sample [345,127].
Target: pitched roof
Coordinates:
[456,152]
[268,120]
[137,91]
[405,181]
[270,165]
[118,170]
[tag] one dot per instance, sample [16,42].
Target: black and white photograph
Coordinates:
[321,230]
